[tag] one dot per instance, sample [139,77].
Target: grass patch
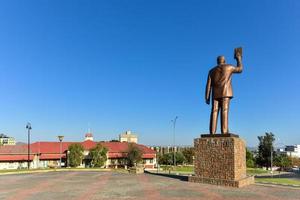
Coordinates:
[184,169]
[255,171]
[190,170]
[287,181]
[178,169]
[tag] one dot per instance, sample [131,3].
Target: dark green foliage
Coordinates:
[168,159]
[264,149]
[75,155]
[282,161]
[180,159]
[250,162]
[134,155]
[189,154]
[98,155]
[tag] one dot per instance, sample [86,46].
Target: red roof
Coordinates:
[52,156]
[117,155]
[147,155]
[49,147]
[51,150]
[54,147]
[15,157]
[123,147]
[13,149]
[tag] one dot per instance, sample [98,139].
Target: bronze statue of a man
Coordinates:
[219,84]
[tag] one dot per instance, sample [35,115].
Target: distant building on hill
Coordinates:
[89,136]
[128,137]
[292,150]
[161,150]
[6,140]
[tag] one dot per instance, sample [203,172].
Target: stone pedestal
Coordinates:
[221,160]
[139,169]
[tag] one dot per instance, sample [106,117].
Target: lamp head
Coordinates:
[28,126]
[60,138]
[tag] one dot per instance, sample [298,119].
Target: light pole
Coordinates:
[60,138]
[272,149]
[174,125]
[272,159]
[28,127]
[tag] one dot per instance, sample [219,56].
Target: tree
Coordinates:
[75,154]
[264,150]
[189,154]
[282,161]
[180,159]
[98,155]
[168,159]
[134,155]
[295,161]
[250,162]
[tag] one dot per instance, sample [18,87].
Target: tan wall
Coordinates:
[7,141]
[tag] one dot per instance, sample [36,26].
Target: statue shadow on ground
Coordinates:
[174,176]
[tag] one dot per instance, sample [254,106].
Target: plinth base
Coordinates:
[230,183]
[220,159]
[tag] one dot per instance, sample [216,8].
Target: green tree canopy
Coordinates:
[264,149]
[250,161]
[283,161]
[189,154]
[98,155]
[168,158]
[75,155]
[134,155]
[180,159]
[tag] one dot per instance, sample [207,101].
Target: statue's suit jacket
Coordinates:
[219,81]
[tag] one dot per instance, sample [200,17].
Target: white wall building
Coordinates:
[5,140]
[128,137]
[293,150]
[48,154]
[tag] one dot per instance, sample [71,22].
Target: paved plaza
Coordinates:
[114,185]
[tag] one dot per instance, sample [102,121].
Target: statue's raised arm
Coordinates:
[238,56]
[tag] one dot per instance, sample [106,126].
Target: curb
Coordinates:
[24,172]
[273,184]
[54,170]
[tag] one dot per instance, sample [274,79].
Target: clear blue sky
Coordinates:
[120,65]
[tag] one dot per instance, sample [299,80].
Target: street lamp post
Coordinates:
[174,125]
[60,138]
[272,149]
[28,127]
[272,159]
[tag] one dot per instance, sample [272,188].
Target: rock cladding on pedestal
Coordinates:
[220,158]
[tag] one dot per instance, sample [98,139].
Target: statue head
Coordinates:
[221,60]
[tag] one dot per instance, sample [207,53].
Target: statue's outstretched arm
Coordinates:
[239,67]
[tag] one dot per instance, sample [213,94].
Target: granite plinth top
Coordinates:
[219,135]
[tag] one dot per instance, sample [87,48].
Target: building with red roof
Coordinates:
[47,154]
